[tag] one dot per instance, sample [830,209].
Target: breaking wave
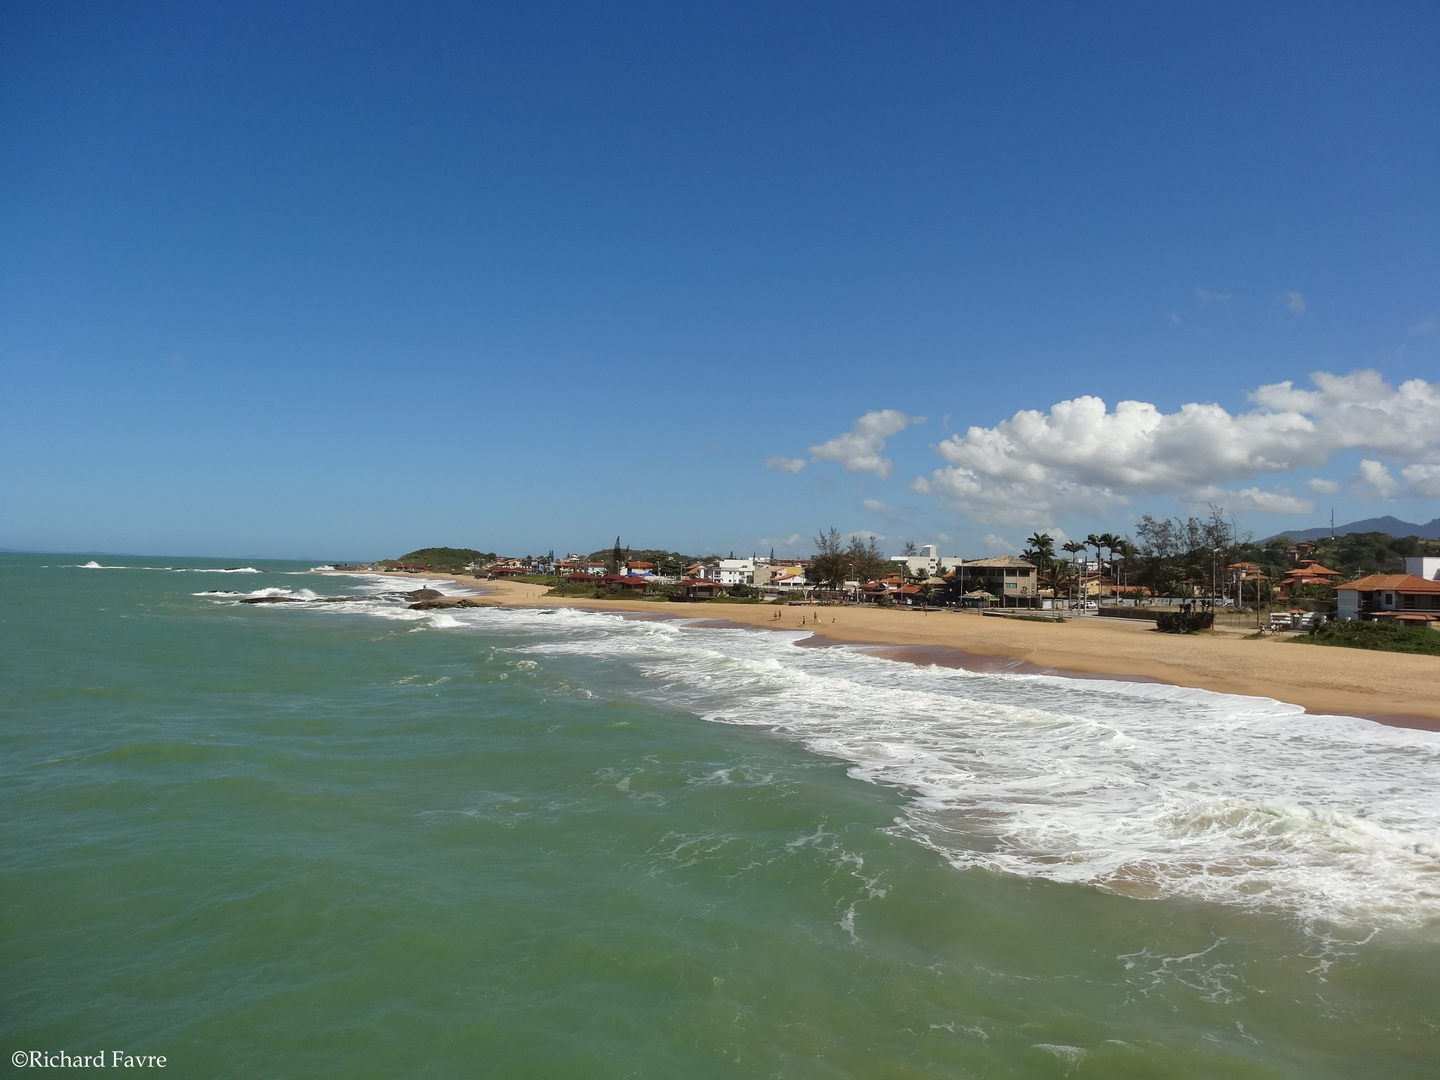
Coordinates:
[1142,789]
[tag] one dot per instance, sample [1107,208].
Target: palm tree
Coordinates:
[1126,551]
[1108,541]
[1042,544]
[1074,547]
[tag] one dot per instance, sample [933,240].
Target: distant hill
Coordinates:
[1392,526]
[444,558]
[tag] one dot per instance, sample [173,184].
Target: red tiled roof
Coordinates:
[1401,583]
[1312,568]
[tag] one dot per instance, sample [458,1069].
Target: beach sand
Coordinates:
[1394,688]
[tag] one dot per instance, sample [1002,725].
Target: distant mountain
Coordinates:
[1391,525]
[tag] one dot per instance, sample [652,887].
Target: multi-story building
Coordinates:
[1011,579]
[1401,597]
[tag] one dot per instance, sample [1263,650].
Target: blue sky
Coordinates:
[339,280]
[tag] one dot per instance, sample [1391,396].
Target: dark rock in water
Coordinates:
[273,600]
[425,594]
[443,602]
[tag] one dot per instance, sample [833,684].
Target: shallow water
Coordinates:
[356,840]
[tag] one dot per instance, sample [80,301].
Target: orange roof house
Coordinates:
[1401,597]
[1309,572]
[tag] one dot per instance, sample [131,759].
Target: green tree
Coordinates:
[829,565]
[867,561]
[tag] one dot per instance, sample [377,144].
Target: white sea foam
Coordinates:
[1140,788]
[93,565]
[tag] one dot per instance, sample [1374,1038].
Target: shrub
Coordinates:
[1184,622]
[1383,635]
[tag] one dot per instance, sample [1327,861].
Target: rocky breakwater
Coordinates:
[427,599]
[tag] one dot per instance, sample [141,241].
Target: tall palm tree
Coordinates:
[1074,547]
[1109,540]
[1094,541]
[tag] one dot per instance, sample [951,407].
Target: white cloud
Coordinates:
[781,463]
[1295,302]
[859,448]
[1424,480]
[1424,326]
[1082,458]
[875,505]
[1321,486]
[1174,317]
[996,543]
[1206,297]
[1249,500]
[780,541]
[1373,481]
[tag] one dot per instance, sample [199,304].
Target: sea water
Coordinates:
[357,840]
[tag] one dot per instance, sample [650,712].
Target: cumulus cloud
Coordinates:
[1250,499]
[1321,486]
[1295,302]
[780,463]
[996,543]
[859,448]
[780,541]
[1424,480]
[1373,481]
[1082,458]
[875,505]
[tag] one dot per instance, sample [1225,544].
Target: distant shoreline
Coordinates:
[1395,689]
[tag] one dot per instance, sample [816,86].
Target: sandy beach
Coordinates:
[1392,688]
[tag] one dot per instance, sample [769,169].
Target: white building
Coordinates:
[736,571]
[928,563]
[1424,567]
[787,579]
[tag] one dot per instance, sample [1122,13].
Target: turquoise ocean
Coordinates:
[320,839]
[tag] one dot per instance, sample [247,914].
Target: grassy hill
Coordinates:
[451,560]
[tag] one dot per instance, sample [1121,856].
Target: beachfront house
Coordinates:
[692,588]
[787,579]
[1012,580]
[736,572]
[1398,597]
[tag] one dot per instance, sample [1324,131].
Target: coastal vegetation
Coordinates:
[448,559]
[667,563]
[1184,622]
[838,560]
[1384,636]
